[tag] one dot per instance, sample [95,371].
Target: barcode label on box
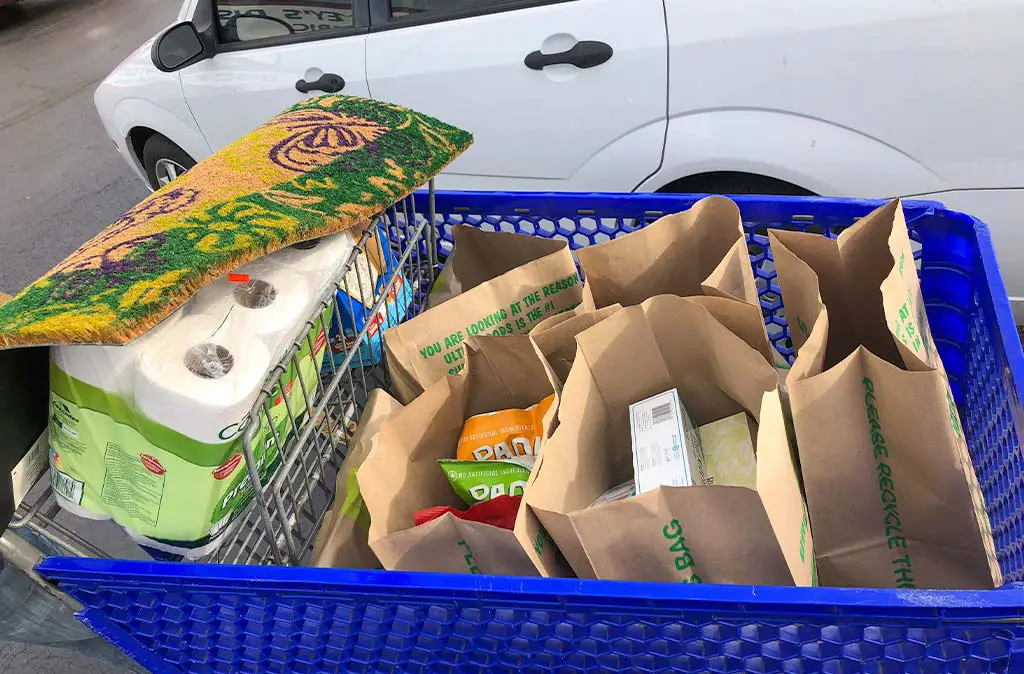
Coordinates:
[661,413]
[66,486]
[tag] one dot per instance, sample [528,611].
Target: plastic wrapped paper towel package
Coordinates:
[150,434]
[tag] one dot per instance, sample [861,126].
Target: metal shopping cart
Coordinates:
[237,614]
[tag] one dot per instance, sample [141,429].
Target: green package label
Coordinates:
[175,492]
[479,481]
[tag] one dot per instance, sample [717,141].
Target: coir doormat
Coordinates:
[321,167]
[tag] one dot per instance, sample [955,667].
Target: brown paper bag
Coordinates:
[507,283]
[401,476]
[715,534]
[892,493]
[555,339]
[479,256]
[342,541]
[698,252]
[701,251]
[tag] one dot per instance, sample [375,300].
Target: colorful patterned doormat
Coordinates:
[322,166]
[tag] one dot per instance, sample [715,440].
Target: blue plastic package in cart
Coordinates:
[363,285]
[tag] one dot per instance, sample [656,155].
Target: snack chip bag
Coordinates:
[505,434]
[479,481]
[500,512]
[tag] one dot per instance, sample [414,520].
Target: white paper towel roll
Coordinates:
[319,260]
[109,368]
[261,298]
[200,378]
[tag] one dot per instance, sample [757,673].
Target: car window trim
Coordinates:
[360,19]
[381,20]
[312,36]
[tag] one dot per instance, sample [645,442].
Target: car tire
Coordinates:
[164,161]
[732,182]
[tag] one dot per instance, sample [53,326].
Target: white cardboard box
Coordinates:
[666,445]
[29,469]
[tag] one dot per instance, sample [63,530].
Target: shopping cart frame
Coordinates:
[279,525]
[204,617]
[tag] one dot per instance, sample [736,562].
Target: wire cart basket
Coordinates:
[280,525]
[247,611]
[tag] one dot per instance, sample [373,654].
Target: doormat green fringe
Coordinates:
[323,166]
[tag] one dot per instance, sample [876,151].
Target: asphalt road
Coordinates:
[60,179]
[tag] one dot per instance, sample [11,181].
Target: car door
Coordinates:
[270,55]
[559,94]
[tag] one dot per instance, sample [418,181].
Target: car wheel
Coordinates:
[732,182]
[164,161]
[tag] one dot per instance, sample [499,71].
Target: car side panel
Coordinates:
[818,156]
[612,168]
[540,128]
[183,132]
[138,95]
[936,81]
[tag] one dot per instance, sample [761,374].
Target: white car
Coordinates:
[873,98]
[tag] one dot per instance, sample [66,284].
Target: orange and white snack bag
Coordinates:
[505,434]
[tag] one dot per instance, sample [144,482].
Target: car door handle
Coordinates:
[328,83]
[585,54]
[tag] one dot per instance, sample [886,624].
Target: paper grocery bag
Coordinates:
[401,476]
[451,545]
[724,534]
[479,256]
[700,251]
[892,494]
[555,339]
[342,541]
[500,284]
[701,554]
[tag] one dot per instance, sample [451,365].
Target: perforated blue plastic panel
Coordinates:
[198,618]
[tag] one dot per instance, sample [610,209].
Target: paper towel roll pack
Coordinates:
[261,298]
[200,377]
[150,434]
[318,258]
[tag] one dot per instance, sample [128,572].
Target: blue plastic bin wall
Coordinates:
[200,618]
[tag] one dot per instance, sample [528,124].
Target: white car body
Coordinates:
[870,99]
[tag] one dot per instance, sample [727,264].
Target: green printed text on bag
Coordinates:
[496,284]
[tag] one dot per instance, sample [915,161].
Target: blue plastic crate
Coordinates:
[205,618]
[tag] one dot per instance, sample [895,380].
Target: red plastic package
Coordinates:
[498,512]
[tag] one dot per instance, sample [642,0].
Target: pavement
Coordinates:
[61,180]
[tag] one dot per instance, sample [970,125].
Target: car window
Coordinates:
[247,20]
[408,8]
